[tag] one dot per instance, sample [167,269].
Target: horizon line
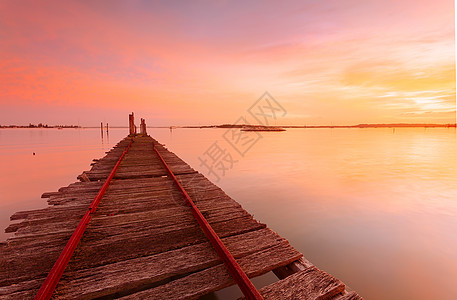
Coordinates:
[240,125]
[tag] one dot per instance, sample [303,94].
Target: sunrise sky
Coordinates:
[205,62]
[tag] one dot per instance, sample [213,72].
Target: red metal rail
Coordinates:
[49,285]
[246,286]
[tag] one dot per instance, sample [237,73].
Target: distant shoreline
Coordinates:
[40,126]
[391,125]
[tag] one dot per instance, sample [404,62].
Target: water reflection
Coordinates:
[60,155]
[374,207]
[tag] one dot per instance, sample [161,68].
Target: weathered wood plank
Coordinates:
[20,291]
[75,198]
[161,217]
[52,218]
[310,283]
[49,194]
[102,245]
[217,277]
[142,273]
[97,249]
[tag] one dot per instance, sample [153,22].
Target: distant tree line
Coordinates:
[40,125]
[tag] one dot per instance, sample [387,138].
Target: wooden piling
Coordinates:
[132,127]
[143,127]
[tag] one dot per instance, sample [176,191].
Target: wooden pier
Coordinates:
[143,241]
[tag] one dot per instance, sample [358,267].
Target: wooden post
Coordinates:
[106,127]
[143,127]
[132,127]
[101,128]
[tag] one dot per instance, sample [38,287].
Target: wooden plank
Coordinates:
[49,194]
[142,273]
[103,245]
[21,290]
[26,263]
[98,249]
[84,178]
[162,217]
[85,197]
[61,218]
[217,277]
[310,283]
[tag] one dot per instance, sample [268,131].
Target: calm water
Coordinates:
[376,208]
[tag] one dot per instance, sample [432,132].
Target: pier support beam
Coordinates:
[292,268]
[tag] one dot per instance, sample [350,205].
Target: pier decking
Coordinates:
[143,241]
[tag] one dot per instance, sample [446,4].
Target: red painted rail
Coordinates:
[50,283]
[246,286]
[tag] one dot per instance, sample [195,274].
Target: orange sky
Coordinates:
[206,62]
